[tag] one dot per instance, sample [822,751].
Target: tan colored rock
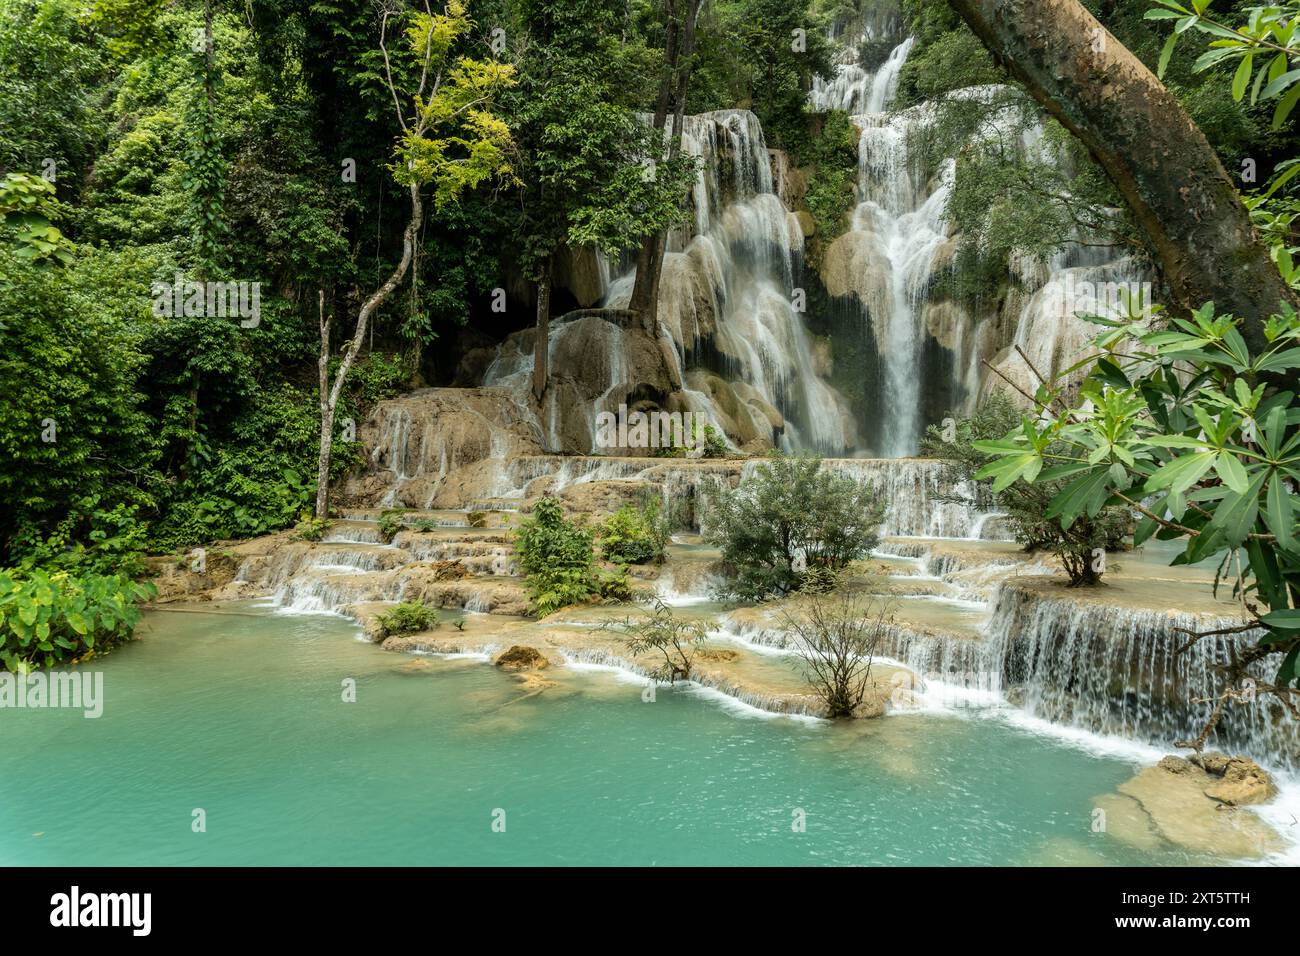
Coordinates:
[789,181]
[849,263]
[1173,799]
[176,577]
[578,270]
[1128,822]
[1215,763]
[522,658]
[807,224]
[1243,782]
[603,497]
[430,435]
[448,570]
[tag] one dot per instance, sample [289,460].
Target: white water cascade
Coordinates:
[729,286]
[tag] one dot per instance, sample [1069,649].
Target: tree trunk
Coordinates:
[672,91]
[542,339]
[326,416]
[330,401]
[1179,193]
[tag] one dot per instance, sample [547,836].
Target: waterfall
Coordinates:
[885,82]
[1101,667]
[1115,670]
[730,285]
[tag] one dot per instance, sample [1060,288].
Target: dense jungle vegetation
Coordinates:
[284,142]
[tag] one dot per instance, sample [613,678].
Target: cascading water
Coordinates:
[728,286]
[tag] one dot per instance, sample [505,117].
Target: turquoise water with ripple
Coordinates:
[242,716]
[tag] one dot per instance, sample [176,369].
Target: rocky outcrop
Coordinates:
[599,359]
[1239,781]
[522,658]
[582,272]
[428,443]
[189,577]
[1168,805]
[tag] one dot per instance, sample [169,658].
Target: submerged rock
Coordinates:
[1171,803]
[522,658]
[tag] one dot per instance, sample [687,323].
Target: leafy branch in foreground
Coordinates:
[1181,425]
[1269,35]
[1269,38]
[1080,547]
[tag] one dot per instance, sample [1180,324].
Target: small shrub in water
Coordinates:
[409,617]
[556,558]
[311,529]
[676,639]
[390,522]
[836,637]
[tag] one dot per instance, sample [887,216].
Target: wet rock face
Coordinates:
[431,439]
[522,658]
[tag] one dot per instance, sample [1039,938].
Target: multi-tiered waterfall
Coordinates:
[730,288]
[977,619]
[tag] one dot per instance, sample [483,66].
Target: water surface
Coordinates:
[242,715]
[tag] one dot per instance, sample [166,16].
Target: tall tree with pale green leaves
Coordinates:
[449,141]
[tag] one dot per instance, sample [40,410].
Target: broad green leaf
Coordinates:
[1232,472]
[1242,77]
[1181,473]
[1285,106]
[1279,513]
[1165,53]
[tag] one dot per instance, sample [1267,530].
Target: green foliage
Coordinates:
[635,535]
[791,515]
[1079,547]
[592,172]
[1277,217]
[1007,202]
[763,54]
[89,539]
[73,433]
[54,618]
[52,77]
[556,557]
[1211,457]
[945,56]
[391,521]
[831,195]
[451,141]
[1266,47]
[408,617]
[715,443]
[311,528]
[28,209]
